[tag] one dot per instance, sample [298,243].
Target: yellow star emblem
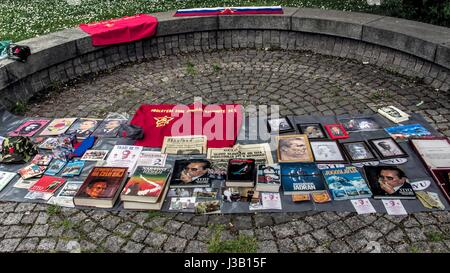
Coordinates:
[163,121]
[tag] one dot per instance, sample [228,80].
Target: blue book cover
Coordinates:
[301,178]
[55,167]
[407,131]
[73,168]
[346,183]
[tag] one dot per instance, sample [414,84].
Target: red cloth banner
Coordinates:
[219,123]
[121,30]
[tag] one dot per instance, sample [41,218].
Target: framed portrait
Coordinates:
[358,151]
[312,130]
[387,148]
[336,131]
[281,125]
[327,151]
[294,148]
[359,124]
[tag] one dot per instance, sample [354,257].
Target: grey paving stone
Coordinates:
[17,231]
[174,244]
[78,217]
[55,231]
[98,214]
[199,220]
[243,222]
[99,234]
[287,245]
[371,234]
[42,218]
[357,241]
[383,225]
[29,218]
[156,222]
[322,236]
[113,243]
[355,223]
[442,216]
[415,234]
[184,217]
[132,247]
[305,242]
[8,207]
[196,247]
[267,246]
[264,233]
[140,218]
[247,232]
[425,218]
[28,245]
[280,218]
[155,240]
[330,216]
[139,235]
[172,227]
[438,247]
[38,231]
[321,249]
[339,246]
[396,236]
[87,247]
[125,229]
[110,222]
[219,219]
[24,207]
[3,230]
[187,231]
[88,226]
[317,221]
[339,229]
[13,219]
[47,245]
[284,230]
[263,220]
[9,245]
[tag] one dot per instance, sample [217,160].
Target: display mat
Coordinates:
[413,168]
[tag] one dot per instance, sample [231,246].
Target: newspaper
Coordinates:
[184,145]
[260,152]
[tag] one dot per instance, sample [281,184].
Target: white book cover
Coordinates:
[25,183]
[124,156]
[65,196]
[38,195]
[393,113]
[271,200]
[150,159]
[363,206]
[5,178]
[394,207]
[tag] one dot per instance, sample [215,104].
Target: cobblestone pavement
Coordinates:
[301,83]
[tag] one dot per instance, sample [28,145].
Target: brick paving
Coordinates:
[301,83]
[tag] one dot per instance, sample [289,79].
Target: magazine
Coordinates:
[57,127]
[184,145]
[346,183]
[151,159]
[65,196]
[124,156]
[389,182]
[146,184]
[5,178]
[301,178]
[29,127]
[407,131]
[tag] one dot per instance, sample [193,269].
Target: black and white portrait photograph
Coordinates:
[358,151]
[280,125]
[327,151]
[359,124]
[387,148]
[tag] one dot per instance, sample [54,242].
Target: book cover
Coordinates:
[271,200]
[184,204]
[346,183]
[241,170]
[57,127]
[42,159]
[393,114]
[83,127]
[31,170]
[146,184]
[389,182]
[102,182]
[268,178]
[29,127]
[48,184]
[109,128]
[151,158]
[49,143]
[124,156]
[5,178]
[73,168]
[65,196]
[145,205]
[301,178]
[94,155]
[191,173]
[25,183]
[407,131]
[55,167]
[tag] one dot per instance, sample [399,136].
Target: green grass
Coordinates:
[19,108]
[153,213]
[66,224]
[21,19]
[216,68]
[243,244]
[437,236]
[190,69]
[53,210]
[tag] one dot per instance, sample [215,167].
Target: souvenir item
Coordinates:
[191,173]
[312,130]
[346,183]
[389,182]
[393,113]
[301,178]
[57,127]
[358,151]
[359,124]
[280,125]
[29,127]
[336,131]
[407,131]
[294,148]
[387,148]
[184,145]
[327,151]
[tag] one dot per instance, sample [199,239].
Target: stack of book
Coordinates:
[241,173]
[146,189]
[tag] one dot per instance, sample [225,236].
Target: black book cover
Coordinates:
[389,182]
[241,170]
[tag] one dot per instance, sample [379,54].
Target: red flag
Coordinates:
[121,30]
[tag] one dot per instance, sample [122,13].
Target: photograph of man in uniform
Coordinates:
[387,147]
[109,128]
[294,148]
[358,151]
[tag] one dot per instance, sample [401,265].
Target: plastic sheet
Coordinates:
[413,167]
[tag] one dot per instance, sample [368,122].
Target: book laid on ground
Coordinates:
[5,178]
[389,182]
[146,184]
[124,156]
[57,127]
[150,158]
[346,183]
[393,113]
[301,178]
[29,127]
[147,206]
[102,187]
[268,178]
[47,184]
[241,173]
[191,173]
[65,196]
[31,170]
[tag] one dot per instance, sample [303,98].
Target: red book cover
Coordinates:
[102,183]
[47,184]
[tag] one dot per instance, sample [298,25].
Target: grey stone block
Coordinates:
[411,37]
[442,55]
[169,25]
[272,21]
[336,23]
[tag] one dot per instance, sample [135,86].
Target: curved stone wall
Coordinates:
[406,47]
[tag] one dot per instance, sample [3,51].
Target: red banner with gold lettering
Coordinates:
[121,30]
